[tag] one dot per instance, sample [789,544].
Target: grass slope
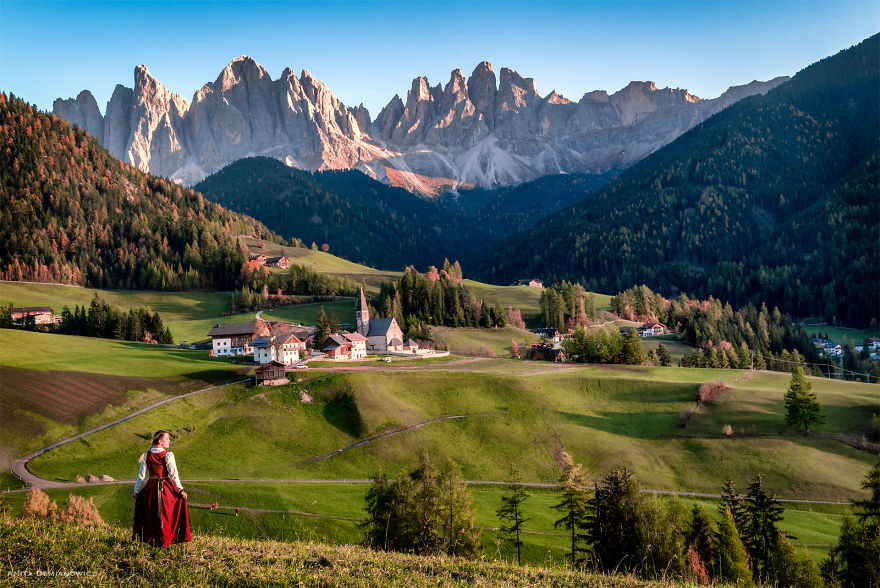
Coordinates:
[107,557]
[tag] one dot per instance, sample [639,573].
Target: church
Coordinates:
[383,334]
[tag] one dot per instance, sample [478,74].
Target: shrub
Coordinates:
[710,390]
[38,505]
[727,430]
[81,511]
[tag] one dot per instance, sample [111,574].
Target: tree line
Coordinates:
[613,526]
[104,320]
[263,289]
[437,297]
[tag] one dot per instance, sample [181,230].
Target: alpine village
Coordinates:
[476,335]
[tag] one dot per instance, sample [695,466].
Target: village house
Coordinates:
[281,262]
[345,346]
[232,339]
[382,334]
[652,330]
[281,346]
[255,261]
[42,315]
[531,282]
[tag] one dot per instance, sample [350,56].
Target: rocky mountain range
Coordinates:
[481,130]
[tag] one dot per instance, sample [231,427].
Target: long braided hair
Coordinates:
[158,435]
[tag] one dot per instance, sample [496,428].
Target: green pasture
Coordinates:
[481,342]
[602,418]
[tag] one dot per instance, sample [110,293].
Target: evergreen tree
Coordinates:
[801,405]
[702,536]
[456,513]
[322,328]
[333,322]
[575,505]
[510,511]
[794,570]
[633,352]
[613,522]
[868,511]
[663,357]
[733,565]
[735,505]
[762,534]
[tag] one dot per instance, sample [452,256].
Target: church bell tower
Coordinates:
[362,314]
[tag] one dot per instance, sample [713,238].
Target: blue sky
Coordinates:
[368,51]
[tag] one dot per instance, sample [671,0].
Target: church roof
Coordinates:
[395,342]
[379,327]
[362,301]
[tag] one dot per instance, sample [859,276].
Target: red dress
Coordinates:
[160,515]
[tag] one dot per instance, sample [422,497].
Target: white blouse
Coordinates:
[170,465]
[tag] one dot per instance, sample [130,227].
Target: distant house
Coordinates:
[255,261]
[531,282]
[382,334]
[232,339]
[281,262]
[652,330]
[269,373]
[345,346]
[281,346]
[873,342]
[42,315]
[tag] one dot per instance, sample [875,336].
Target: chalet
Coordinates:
[281,262]
[345,346]
[531,282]
[652,330]
[270,373]
[42,315]
[255,261]
[873,343]
[382,334]
[232,339]
[281,346]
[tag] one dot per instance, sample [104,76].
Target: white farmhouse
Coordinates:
[232,339]
[283,347]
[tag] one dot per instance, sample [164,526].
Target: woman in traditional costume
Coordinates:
[160,514]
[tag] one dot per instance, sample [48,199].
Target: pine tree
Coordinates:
[702,536]
[761,536]
[801,405]
[333,322]
[613,524]
[633,352]
[733,565]
[868,511]
[511,512]
[734,504]
[456,513]
[663,357]
[575,504]
[322,328]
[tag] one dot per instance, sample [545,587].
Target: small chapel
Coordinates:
[383,334]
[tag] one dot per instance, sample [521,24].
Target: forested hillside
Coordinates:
[358,218]
[72,213]
[772,200]
[368,222]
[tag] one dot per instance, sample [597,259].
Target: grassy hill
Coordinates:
[109,558]
[514,412]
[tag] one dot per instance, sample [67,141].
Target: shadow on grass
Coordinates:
[342,412]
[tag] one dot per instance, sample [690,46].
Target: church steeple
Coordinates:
[362,314]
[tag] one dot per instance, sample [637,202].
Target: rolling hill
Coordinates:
[774,199]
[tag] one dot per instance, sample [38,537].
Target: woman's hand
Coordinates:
[183,494]
[134,495]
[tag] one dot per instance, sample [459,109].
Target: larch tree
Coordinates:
[801,404]
[510,511]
